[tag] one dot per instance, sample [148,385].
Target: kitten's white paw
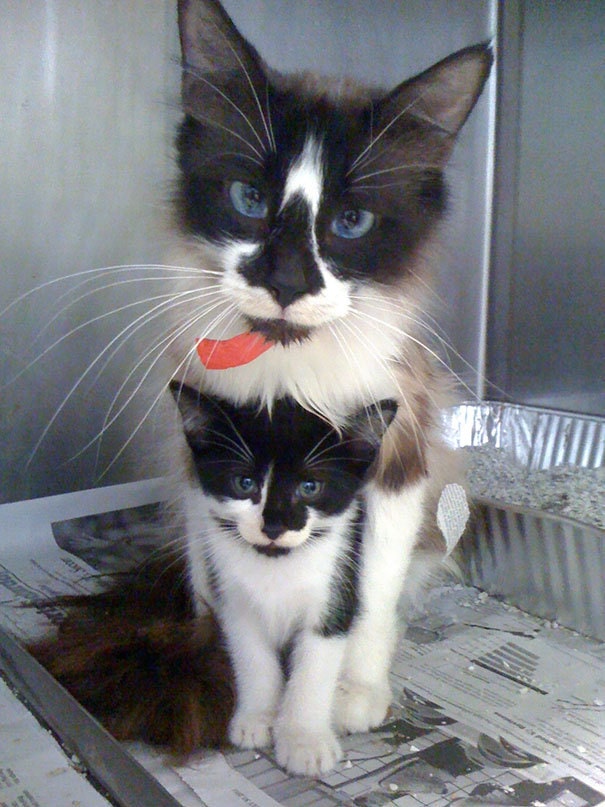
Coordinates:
[309,753]
[251,729]
[360,707]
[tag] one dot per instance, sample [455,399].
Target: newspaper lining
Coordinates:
[492,706]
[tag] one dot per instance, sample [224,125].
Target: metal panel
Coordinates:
[549,565]
[548,278]
[86,147]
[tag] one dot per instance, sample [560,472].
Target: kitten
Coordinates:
[275,523]
[308,209]
[274,542]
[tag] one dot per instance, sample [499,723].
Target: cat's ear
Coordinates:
[366,428]
[193,409]
[441,98]
[210,42]
[223,75]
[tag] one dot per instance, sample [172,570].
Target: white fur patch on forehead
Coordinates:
[305,177]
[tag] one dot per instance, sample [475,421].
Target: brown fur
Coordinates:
[403,456]
[139,659]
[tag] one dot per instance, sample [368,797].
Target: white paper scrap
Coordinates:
[219,785]
[34,770]
[452,514]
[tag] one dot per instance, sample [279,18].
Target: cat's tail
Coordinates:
[138,657]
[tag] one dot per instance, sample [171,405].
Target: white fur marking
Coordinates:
[391,530]
[305,177]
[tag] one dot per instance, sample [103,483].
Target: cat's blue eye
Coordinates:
[248,200]
[309,490]
[244,486]
[353,223]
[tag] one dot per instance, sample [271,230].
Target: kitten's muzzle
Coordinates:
[273,531]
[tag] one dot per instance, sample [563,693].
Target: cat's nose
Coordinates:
[273,531]
[285,295]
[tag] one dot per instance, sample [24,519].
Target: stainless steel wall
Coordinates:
[547,318]
[85,155]
[88,102]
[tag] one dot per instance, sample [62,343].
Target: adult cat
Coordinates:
[309,208]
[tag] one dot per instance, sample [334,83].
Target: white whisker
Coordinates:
[86,295]
[402,397]
[213,122]
[392,169]
[128,329]
[267,127]
[407,335]
[380,135]
[90,273]
[313,453]
[184,363]
[163,343]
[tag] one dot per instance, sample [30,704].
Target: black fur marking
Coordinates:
[287,266]
[282,440]
[280,331]
[344,594]
[272,551]
[407,201]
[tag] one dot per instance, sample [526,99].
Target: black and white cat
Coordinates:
[308,209]
[275,523]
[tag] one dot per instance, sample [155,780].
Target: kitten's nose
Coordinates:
[273,531]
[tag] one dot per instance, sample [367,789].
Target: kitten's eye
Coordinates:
[309,490]
[248,200]
[353,223]
[244,486]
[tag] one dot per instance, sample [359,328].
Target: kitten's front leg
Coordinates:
[259,681]
[391,530]
[305,742]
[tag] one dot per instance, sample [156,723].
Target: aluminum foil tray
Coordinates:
[549,565]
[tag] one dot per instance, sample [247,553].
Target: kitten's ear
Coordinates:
[222,71]
[367,427]
[441,97]
[193,409]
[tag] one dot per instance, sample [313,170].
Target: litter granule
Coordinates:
[565,490]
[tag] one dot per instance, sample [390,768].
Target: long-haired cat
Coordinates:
[309,208]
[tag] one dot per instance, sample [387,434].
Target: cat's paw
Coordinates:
[309,753]
[360,707]
[251,729]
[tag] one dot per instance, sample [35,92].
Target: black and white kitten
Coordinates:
[242,636]
[307,210]
[275,523]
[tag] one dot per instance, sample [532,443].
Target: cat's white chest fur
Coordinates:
[350,360]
